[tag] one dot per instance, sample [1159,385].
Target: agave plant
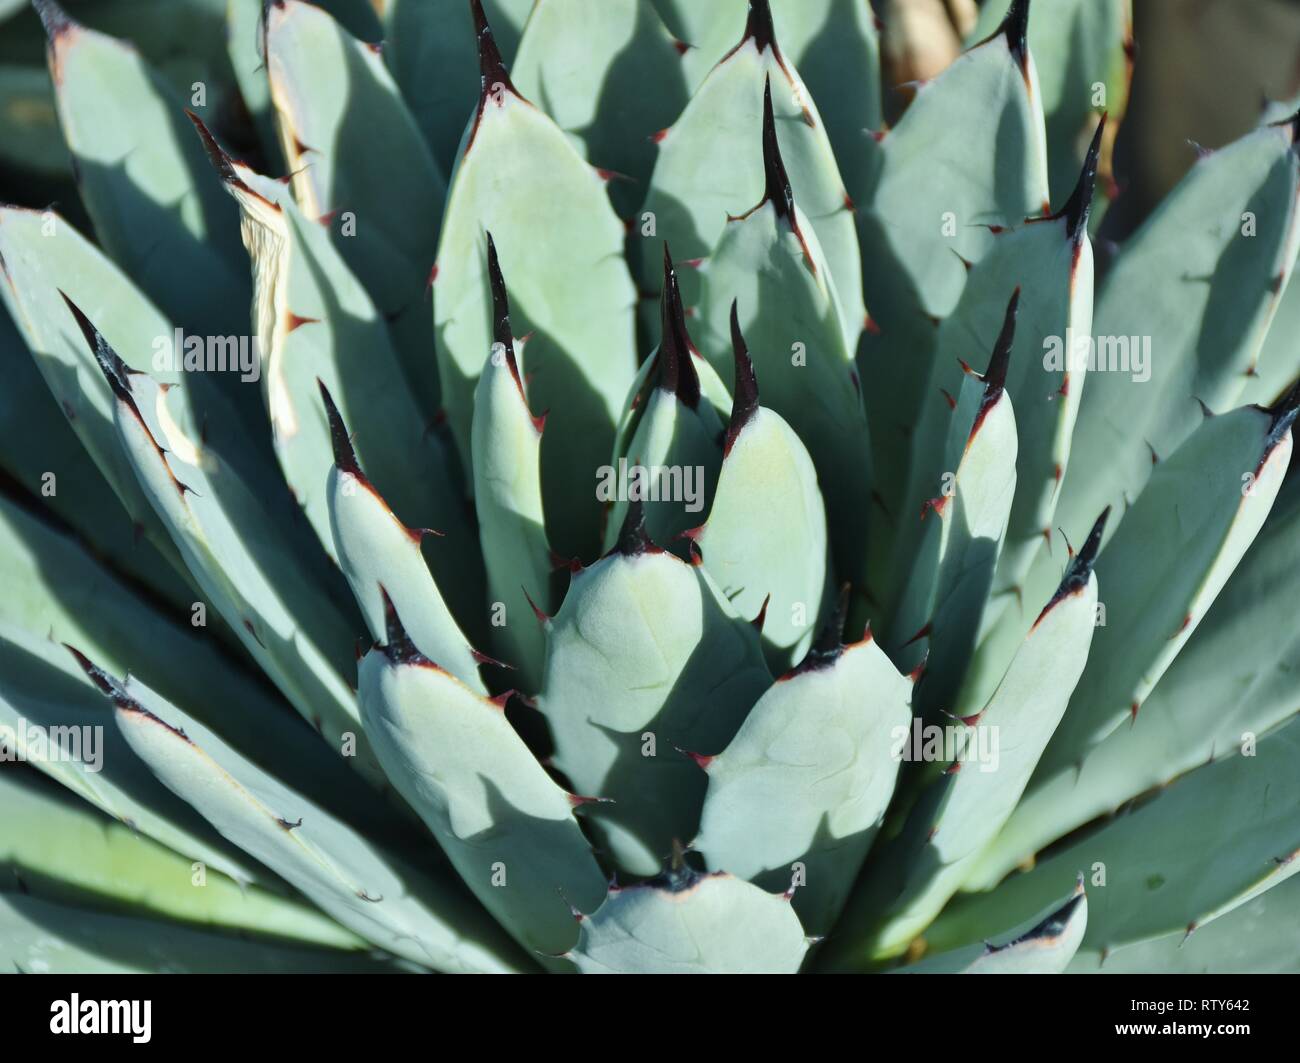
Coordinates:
[823,577]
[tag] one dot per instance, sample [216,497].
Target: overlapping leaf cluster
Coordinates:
[515,246]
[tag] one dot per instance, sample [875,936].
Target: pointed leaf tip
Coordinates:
[1284,413]
[93,338]
[105,682]
[830,639]
[1054,925]
[500,298]
[758,25]
[1015,27]
[1087,556]
[744,402]
[398,647]
[115,371]
[634,537]
[55,20]
[112,688]
[995,377]
[1051,928]
[502,332]
[344,455]
[492,70]
[1081,565]
[1079,206]
[221,162]
[676,373]
[777,190]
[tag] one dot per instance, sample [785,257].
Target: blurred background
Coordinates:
[1203,72]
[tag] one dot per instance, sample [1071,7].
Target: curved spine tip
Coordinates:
[676,373]
[995,377]
[777,190]
[1015,27]
[829,643]
[398,647]
[634,537]
[745,393]
[345,457]
[1078,207]
[492,69]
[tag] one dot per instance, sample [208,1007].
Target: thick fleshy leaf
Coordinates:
[1083,51]
[796,797]
[46,260]
[687,923]
[429,45]
[376,550]
[516,166]
[588,63]
[1256,938]
[316,324]
[56,591]
[37,937]
[769,264]
[245,45]
[983,178]
[710,168]
[671,465]
[767,501]
[965,804]
[1163,347]
[360,164]
[1049,262]
[143,179]
[373,894]
[824,39]
[967,158]
[1278,362]
[236,553]
[62,850]
[506,826]
[970,517]
[1204,506]
[1047,948]
[41,255]
[669,456]
[1184,312]
[644,659]
[43,455]
[42,688]
[1208,842]
[1234,679]
[184,47]
[506,448]
[1279,359]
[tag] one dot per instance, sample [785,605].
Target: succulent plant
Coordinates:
[750,546]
